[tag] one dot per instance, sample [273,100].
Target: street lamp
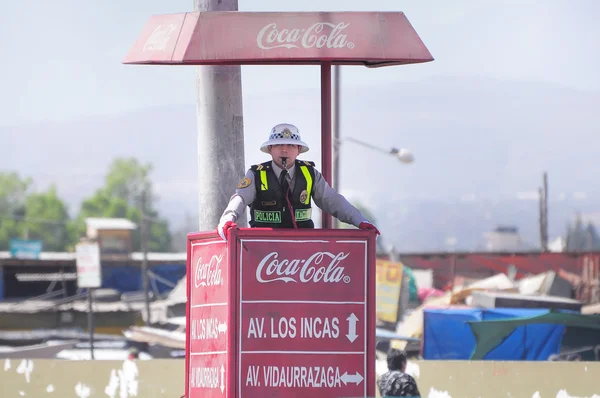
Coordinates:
[403,155]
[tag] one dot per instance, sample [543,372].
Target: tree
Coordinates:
[47,219]
[594,237]
[127,179]
[580,238]
[13,193]
[29,215]
[575,236]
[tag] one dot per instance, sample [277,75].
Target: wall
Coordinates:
[114,379]
[165,378]
[473,379]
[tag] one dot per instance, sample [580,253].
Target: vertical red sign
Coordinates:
[302,317]
[209,290]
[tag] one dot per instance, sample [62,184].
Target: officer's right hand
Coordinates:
[368,226]
[223,229]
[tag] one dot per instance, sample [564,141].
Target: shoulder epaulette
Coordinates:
[306,163]
[261,166]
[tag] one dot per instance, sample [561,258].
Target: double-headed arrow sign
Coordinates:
[355,378]
[222,378]
[352,319]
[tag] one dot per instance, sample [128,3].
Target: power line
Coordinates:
[33,219]
[58,222]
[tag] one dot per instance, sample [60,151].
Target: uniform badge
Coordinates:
[286,133]
[244,183]
[303,196]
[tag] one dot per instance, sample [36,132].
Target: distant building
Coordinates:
[558,245]
[54,273]
[114,235]
[504,239]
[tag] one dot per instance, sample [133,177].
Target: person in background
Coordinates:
[133,353]
[395,382]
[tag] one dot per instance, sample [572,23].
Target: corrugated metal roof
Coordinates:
[137,256]
[160,256]
[110,223]
[47,256]
[492,263]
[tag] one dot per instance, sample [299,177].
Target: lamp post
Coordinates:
[403,155]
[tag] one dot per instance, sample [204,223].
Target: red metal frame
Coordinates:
[326,133]
[188,291]
[371,278]
[231,348]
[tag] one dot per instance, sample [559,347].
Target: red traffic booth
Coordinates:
[286,313]
[281,313]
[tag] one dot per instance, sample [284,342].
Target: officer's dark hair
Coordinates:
[395,359]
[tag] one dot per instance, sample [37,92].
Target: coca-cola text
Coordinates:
[270,37]
[208,274]
[319,267]
[159,38]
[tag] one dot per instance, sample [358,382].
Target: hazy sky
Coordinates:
[61,60]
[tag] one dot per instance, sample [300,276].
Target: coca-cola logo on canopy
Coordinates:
[321,267]
[159,38]
[208,274]
[317,35]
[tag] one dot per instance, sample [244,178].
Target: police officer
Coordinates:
[280,192]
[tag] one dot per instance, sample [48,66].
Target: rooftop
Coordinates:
[110,223]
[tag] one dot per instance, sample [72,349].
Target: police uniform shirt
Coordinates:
[325,197]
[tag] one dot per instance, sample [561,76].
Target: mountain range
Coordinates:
[481,147]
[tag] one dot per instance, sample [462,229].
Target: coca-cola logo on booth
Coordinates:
[319,267]
[208,274]
[159,38]
[319,35]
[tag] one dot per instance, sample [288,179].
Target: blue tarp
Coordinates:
[128,278]
[446,335]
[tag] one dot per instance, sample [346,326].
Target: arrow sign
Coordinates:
[223,378]
[352,319]
[222,328]
[355,378]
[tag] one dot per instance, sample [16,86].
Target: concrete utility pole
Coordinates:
[544,214]
[221,163]
[144,247]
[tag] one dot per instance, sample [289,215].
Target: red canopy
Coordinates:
[198,38]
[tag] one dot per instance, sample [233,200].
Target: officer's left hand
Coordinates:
[367,225]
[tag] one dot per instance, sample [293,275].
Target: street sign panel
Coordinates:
[302,309]
[89,272]
[207,321]
[280,314]
[26,249]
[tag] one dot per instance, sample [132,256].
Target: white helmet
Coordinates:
[284,134]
